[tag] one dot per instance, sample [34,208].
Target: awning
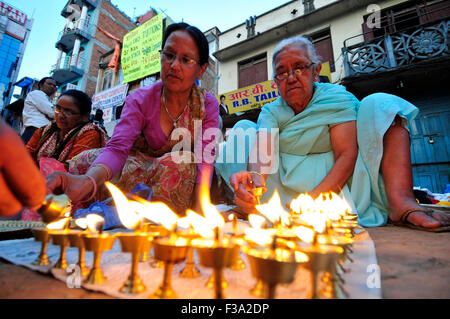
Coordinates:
[24,82]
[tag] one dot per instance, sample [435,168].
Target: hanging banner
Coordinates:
[250,97]
[108,115]
[140,52]
[112,97]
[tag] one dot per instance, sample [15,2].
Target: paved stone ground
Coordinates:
[414,264]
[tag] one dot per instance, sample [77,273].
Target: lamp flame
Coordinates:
[274,211]
[93,221]
[316,219]
[184,222]
[59,224]
[259,236]
[200,225]
[327,208]
[306,234]
[81,222]
[302,203]
[212,215]
[256,221]
[127,215]
[160,213]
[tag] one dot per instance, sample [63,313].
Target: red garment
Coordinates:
[45,142]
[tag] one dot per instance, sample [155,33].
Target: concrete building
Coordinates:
[15,28]
[210,79]
[81,43]
[394,46]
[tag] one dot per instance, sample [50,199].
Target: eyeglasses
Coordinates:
[65,112]
[297,71]
[169,57]
[52,84]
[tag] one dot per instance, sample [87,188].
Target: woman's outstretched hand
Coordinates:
[244,183]
[77,187]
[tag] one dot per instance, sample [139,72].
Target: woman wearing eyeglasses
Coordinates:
[326,140]
[70,134]
[158,121]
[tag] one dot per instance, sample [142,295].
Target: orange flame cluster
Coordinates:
[308,216]
[133,213]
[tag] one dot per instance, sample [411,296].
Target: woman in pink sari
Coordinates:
[155,122]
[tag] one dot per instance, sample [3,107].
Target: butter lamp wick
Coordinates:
[100,227]
[314,237]
[217,234]
[274,243]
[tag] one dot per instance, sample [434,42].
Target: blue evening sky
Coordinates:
[40,53]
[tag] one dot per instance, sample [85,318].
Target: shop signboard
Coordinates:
[140,54]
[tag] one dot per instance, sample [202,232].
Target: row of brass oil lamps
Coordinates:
[314,234]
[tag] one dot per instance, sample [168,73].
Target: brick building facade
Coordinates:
[83,42]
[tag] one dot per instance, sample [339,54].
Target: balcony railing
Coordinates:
[67,37]
[394,50]
[81,26]
[67,71]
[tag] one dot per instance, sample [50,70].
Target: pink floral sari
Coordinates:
[172,183]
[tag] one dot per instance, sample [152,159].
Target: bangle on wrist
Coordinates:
[257,173]
[107,170]
[94,191]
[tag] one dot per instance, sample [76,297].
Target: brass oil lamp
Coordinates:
[41,234]
[170,250]
[98,242]
[58,232]
[134,243]
[273,266]
[217,254]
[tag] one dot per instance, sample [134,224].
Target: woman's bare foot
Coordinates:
[420,218]
[397,174]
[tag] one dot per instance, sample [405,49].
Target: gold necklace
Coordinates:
[174,121]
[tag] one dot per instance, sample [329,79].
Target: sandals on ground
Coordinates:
[403,222]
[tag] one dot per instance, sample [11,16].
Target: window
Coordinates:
[80,59]
[324,47]
[9,48]
[253,70]
[107,79]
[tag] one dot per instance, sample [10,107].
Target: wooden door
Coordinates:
[430,149]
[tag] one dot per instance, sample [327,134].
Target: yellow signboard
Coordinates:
[326,70]
[250,97]
[140,53]
[256,95]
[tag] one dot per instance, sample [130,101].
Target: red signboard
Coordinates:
[12,13]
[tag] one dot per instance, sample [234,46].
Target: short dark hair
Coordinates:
[42,81]
[222,96]
[197,35]
[81,100]
[98,115]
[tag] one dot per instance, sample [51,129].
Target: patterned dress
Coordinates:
[172,181]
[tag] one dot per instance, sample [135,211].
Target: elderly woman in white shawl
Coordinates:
[321,138]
